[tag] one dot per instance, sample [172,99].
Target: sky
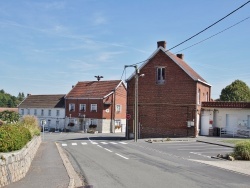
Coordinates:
[46,46]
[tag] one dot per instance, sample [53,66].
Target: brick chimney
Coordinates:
[181,56]
[162,44]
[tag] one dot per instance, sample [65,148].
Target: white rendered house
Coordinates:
[45,107]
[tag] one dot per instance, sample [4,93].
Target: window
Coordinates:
[42,112]
[22,111]
[82,107]
[93,108]
[161,75]
[49,113]
[57,112]
[198,96]
[29,111]
[118,108]
[207,97]
[71,107]
[93,121]
[35,112]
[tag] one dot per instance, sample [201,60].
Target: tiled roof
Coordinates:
[43,101]
[221,104]
[93,89]
[194,75]
[181,63]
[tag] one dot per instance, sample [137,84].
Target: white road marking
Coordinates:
[74,144]
[64,144]
[123,143]
[200,154]
[94,143]
[84,143]
[206,149]
[104,142]
[99,146]
[108,150]
[121,156]
[112,143]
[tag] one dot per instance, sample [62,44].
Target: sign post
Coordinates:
[43,122]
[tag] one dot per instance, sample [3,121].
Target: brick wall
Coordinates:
[164,109]
[15,165]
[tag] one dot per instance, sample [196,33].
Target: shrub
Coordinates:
[242,150]
[31,123]
[13,137]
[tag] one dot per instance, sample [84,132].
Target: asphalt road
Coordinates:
[113,162]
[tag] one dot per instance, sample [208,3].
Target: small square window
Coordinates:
[93,108]
[118,108]
[82,107]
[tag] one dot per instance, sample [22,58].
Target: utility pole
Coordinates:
[136,102]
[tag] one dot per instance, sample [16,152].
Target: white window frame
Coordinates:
[93,122]
[28,111]
[160,75]
[57,112]
[82,109]
[118,108]
[93,107]
[71,107]
[42,112]
[22,111]
[49,112]
[35,112]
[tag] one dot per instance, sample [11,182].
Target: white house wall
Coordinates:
[53,117]
[236,117]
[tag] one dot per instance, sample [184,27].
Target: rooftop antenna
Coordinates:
[99,78]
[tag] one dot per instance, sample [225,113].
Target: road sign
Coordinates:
[128,116]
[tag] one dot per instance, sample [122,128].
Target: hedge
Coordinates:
[13,137]
[242,150]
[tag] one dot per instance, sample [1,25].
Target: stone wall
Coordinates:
[15,165]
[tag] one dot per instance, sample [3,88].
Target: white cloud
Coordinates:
[99,19]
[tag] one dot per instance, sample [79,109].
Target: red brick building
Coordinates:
[98,103]
[169,96]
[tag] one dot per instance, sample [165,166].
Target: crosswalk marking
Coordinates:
[86,143]
[123,143]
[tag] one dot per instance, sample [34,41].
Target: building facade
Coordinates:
[97,104]
[45,107]
[228,118]
[169,96]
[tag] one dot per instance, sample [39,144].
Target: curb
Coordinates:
[218,144]
[74,180]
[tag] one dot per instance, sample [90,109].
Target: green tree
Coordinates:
[236,91]
[9,116]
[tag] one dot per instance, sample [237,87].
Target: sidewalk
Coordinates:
[46,171]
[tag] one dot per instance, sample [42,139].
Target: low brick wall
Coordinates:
[15,165]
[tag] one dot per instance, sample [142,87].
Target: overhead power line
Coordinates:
[213,35]
[210,26]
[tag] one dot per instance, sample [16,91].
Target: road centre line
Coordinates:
[200,154]
[104,142]
[121,156]
[84,143]
[112,143]
[64,144]
[206,149]
[74,144]
[108,150]
[99,146]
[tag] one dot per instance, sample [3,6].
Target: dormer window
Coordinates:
[160,75]
[71,107]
